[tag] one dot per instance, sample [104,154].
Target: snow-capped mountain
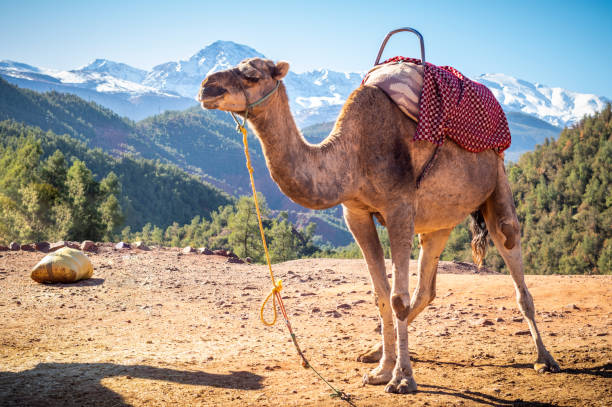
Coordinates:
[111,84]
[315,96]
[556,106]
[113,69]
[184,77]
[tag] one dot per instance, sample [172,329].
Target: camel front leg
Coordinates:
[400,224]
[432,245]
[363,229]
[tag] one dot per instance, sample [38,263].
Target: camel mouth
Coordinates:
[210,95]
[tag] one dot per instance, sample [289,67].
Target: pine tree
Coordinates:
[110,210]
[244,235]
[83,194]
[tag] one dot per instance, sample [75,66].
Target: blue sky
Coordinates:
[557,43]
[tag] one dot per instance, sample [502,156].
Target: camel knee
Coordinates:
[400,306]
[511,232]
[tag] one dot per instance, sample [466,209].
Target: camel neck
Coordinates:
[308,174]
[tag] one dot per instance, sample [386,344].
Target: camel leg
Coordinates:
[363,229]
[502,222]
[400,224]
[432,245]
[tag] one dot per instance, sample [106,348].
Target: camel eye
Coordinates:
[250,73]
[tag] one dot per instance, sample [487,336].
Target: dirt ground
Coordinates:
[165,328]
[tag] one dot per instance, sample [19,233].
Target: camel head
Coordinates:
[233,89]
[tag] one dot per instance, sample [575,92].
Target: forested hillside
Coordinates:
[563,192]
[151,191]
[64,113]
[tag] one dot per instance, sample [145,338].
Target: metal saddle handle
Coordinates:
[412,30]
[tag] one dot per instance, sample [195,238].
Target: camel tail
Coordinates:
[478,227]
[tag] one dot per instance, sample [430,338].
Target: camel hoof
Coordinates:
[372,355]
[377,376]
[549,366]
[404,386]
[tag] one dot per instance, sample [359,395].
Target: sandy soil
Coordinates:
[165,328]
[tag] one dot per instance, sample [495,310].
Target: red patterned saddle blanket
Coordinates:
[444,103]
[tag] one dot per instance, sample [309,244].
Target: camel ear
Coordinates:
[280,70]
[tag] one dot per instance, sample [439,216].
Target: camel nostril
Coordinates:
[211,91]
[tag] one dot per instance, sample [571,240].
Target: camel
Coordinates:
[369,164]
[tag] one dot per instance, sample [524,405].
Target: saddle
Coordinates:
[444,103]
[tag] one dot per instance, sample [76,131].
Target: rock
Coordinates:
[571,307]
[517,319]
[522,332]
[141,246]
[14,246]
[122,246]
[333,313]
[315,310]
[28,247]
[235,260]
[499,319]
[482,322]
[205,250]
[220,252]
[3,248]
[249,260]
[188,249]
[73,245]
[88,246]
[233,255]
[57,245]
[344,306]
[42,246]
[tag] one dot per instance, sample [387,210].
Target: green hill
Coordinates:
[151,191]
[563,192]
[64,113]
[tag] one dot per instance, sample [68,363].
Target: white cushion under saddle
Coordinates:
[402,82]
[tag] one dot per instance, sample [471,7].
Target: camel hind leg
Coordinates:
[500,216]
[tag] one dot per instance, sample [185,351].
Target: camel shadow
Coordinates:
[79,384]
[604,371]
[478,397]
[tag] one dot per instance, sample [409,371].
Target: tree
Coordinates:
[110,210]
[245,237]
[83,194]
[284,239]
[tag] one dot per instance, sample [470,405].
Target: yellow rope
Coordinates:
[278,285]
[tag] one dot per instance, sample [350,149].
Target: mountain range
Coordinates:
[315,96]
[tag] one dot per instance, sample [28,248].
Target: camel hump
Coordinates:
[402,82]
